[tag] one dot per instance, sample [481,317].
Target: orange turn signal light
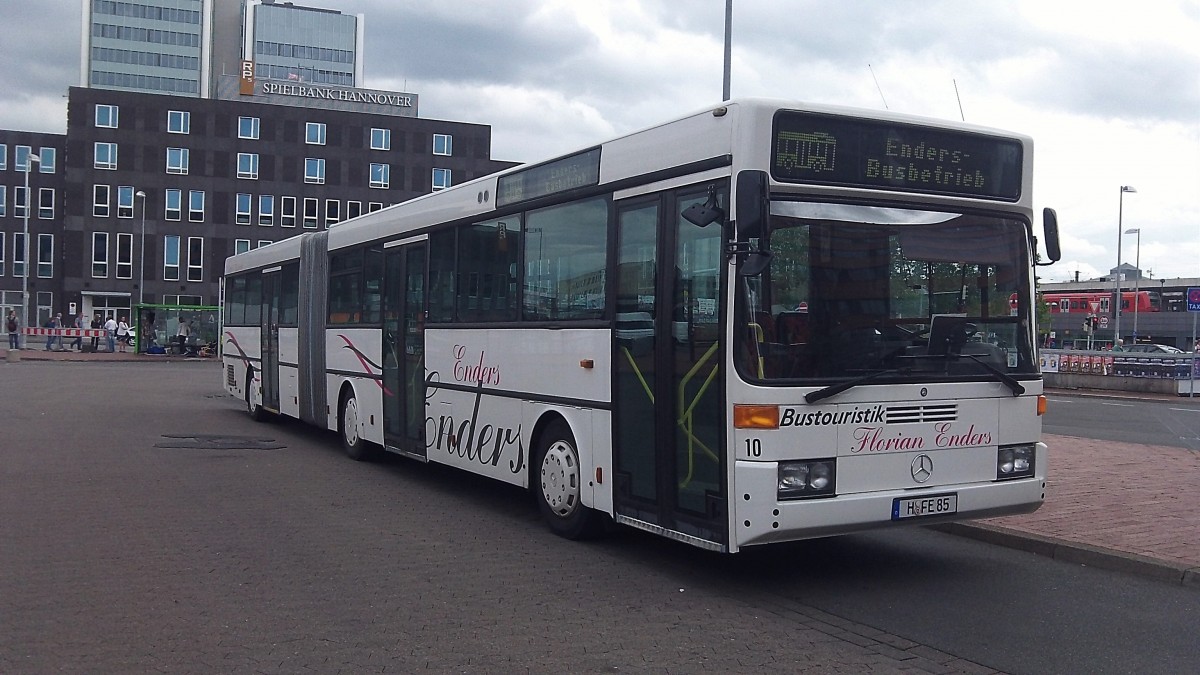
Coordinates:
[1041,405]
[756,416]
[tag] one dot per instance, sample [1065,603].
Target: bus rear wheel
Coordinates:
[558,485]
[356,447]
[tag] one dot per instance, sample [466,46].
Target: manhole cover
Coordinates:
[211,442]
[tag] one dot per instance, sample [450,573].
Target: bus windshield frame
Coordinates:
[900,294]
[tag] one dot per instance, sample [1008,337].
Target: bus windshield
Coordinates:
[855,290]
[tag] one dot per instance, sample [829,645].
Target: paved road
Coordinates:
[122,554]
[1163,420]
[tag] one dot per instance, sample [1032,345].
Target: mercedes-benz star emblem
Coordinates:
[922,468]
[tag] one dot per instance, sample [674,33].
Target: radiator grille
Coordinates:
[915,414]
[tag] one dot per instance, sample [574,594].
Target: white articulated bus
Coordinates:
[761,322]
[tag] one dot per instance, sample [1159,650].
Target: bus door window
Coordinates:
[636,374]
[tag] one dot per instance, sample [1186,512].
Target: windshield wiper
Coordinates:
[1004,377]
[835,389]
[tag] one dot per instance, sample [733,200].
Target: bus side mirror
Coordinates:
[1050,227]
[702,215]
[751,203]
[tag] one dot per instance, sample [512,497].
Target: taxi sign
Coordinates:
[1193,299]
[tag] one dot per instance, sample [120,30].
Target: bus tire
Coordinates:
[558,480]
[355,446]
[255,410]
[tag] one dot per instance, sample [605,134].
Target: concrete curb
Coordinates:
[1074,552]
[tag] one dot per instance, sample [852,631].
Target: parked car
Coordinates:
[1154,349]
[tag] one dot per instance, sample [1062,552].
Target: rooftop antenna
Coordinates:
[960,110]
[877,87]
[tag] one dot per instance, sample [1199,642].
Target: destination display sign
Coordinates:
[826,150]
[560,175]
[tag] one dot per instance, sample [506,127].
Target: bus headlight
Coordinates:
[1015,461]
[808,478]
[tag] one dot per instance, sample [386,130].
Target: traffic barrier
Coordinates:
[65,332]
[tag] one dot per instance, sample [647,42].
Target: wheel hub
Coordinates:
[560,479]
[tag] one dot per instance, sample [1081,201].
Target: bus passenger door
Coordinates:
[269,336]
[668,390]
[404,349]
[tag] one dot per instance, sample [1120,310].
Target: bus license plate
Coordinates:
[918,507]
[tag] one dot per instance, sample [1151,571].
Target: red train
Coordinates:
[1095,302]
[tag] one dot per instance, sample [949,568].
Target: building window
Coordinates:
[49,157]
[99,255]
[263,242]
[171,257]
[179,122]
[443,144]
[241,246]
[1,258]
[247,165]
[372,207]
[311,207]
[107,116]
[314,133]
[3,204]
[287,215]
[441,179]
[333,210]
[314,171]
[21,157]
[266,210]
[381,139]
[45,256]
[3,156]
[243,209]
[196,206]
[106,156]
[195,263]
[46,203]
[20,201]
[18,255]
[353,209]
[177,160]
[124,255]
[173,204]
[101,195]
[124,201]
[380,175]
[248,127]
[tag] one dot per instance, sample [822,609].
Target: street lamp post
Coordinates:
[30,160]
[1137,262]
[142,268]
[1117,310]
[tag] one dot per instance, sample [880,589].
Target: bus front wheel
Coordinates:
[558,484]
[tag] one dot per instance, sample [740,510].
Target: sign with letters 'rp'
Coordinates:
[1193,299]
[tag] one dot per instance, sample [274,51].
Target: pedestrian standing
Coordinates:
[80,323]
[110,334]
[97,324]
[123,333]
[14,330]
[53,324]
[182,333]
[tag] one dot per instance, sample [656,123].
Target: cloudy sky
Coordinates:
[1109,91]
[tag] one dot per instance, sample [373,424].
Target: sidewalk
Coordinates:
[1121,506]
[37,352]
